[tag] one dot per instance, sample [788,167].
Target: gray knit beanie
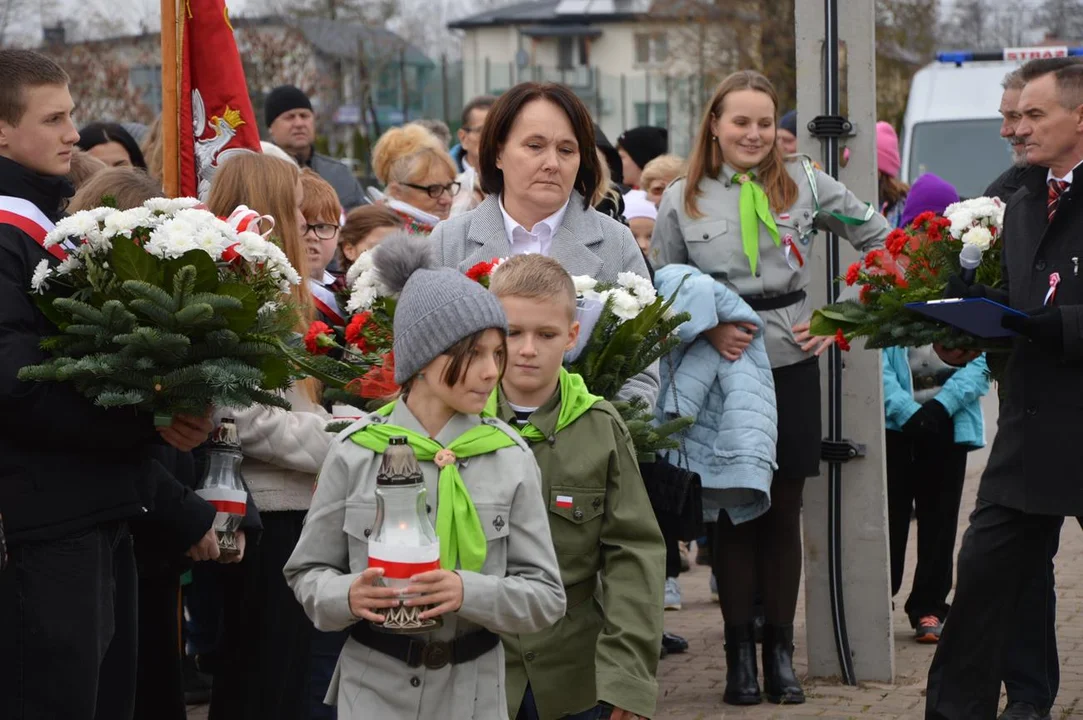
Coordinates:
[437,307]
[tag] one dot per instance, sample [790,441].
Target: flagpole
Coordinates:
[170,97]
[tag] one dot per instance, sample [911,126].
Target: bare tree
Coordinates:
[900,51]
[100,84]
[12,30]
[1062,19]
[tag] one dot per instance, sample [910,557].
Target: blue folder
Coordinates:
[977,316]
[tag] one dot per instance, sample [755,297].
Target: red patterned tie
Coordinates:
[1056,189]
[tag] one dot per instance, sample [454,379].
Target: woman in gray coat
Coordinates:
[542,177]
[747,216]
[498,571]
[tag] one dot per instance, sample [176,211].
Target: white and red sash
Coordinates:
[26,216]
[324,299]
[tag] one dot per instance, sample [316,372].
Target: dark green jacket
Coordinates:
[612,564]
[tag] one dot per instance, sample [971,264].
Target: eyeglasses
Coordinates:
[436,191]
[323,231]
[471,130]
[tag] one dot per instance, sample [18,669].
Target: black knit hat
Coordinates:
[644,144]
[283,99]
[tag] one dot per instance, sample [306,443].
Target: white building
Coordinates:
[629,60]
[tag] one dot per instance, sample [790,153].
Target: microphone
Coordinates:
[969,260]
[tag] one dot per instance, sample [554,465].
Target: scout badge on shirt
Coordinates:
[794,258]
[565,501]
[1054,281]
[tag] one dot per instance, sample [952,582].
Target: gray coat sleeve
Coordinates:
[530,597]
[835,197]
[318,571]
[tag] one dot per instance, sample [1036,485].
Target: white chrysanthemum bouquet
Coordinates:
[166,308]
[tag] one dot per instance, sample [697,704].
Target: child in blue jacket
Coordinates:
[933,419]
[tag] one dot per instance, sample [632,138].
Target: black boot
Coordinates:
[742,684]
[780,683]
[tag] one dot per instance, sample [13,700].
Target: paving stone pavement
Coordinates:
[692,683]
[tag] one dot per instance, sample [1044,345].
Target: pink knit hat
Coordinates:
[887,149]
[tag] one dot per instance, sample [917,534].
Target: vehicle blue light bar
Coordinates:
[958,57]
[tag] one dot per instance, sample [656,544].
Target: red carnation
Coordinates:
[864,296]
[853,273]
[840,340]
[875,258]
[896,241]
[354,330]
[480,272]
[923,218]
[318,340]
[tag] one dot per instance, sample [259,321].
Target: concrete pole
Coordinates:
[865,563]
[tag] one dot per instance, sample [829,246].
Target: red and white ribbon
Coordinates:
[1054,281]
[244,219]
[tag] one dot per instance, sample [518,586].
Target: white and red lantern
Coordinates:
[403,541]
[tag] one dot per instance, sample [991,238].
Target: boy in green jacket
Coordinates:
[604,652]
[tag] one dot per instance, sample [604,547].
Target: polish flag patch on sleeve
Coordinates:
[565,501]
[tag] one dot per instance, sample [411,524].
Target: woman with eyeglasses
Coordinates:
[418,177]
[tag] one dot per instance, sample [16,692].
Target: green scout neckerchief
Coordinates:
[754,208]
[462,541]
[575,400]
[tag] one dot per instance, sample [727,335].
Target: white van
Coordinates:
[952,121]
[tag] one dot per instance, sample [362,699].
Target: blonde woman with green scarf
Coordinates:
[498,571]
[747,216]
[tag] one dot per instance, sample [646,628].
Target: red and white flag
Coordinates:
[216,115]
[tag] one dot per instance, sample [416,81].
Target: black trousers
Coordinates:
[926,474]
[264,661]
[1031,664]
[68,628]
[1000,549]
[159,683]
[671,532]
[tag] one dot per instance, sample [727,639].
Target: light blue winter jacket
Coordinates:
[732,444]
[961,396]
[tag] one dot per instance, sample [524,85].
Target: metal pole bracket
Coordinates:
[831,126]
[841,451]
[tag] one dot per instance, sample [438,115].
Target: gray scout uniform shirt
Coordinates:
[712,243]
[519,589]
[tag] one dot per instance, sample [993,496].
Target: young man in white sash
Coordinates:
[70,472]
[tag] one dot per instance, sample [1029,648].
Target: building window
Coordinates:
[654,114]
[147,80]
[651,48]
[566,53]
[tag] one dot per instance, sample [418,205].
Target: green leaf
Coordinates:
[276,372]
[823,325]
[206,270]
[131,262]
[241,319]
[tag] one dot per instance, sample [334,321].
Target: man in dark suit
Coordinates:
[1031,666]
[1030,483]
